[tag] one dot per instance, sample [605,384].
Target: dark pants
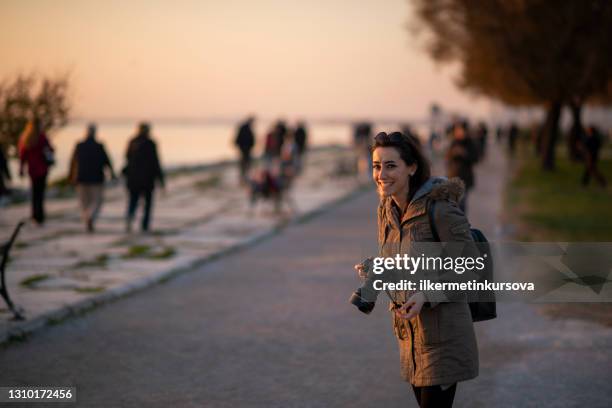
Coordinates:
[434,396]
[3,189]
[245,165]
[39,184]
[133,204]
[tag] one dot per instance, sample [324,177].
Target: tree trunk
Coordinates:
[575,133]
[550,136]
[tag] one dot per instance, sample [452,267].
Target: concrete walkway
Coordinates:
[270,326]
[59,270]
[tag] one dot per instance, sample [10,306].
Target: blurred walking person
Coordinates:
[89,160]
[289,157]
[245,140]
[301,140]
[512,136]
[460,159]
[362,138]
[141,171]
[36,152]
[591,145]
[270,146]
[409,132]
[482,134]
[274,142]
[5,175]
[499,134]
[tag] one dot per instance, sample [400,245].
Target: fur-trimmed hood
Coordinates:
[442,188]
[436,188]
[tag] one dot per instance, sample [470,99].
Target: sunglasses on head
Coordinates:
[395,137]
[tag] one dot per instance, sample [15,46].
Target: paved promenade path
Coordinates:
[60,270]
[270,326]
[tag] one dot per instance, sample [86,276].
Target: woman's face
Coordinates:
[390,172]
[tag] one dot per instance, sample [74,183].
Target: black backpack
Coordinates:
[480,310]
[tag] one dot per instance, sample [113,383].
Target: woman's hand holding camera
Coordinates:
[363,269]
[412,307]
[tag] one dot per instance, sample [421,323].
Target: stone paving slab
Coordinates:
[59,269]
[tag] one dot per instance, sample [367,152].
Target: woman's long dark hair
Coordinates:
[409,150]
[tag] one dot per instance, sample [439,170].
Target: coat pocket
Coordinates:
[455,320]
[429,326]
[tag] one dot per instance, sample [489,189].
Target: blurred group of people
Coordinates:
[588,144]
[88,165]
[510,133]
[282,160]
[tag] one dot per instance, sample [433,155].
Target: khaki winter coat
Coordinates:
[439,345]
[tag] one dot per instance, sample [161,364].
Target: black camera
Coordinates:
[364,298]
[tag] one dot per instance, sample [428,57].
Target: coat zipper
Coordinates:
[409,322]
[412,347]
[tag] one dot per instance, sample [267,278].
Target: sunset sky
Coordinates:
[222,58]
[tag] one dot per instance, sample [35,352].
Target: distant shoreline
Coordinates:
[190,121]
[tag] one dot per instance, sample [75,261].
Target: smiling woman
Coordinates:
[398,173]
[436,337]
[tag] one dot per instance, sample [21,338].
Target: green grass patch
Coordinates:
[31,280]
[21,245]
[61,183]
[99,261]
[146,252]
[213,180]
[90,289]
[137,251]
[556,206]
[165,232]
[54,321]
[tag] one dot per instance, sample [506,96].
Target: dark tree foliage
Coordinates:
[524,52]
[27,96]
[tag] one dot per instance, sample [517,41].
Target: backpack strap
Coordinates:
[431,208]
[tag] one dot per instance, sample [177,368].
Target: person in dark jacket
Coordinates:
[460,159]
[591,145]
[87,165]
[245,140]
[362,135]
[5,174]
[141,171]
[436,338]
[300,137]
[36,152]
[499,134]
[482,134]
[273,144]
[512,136]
